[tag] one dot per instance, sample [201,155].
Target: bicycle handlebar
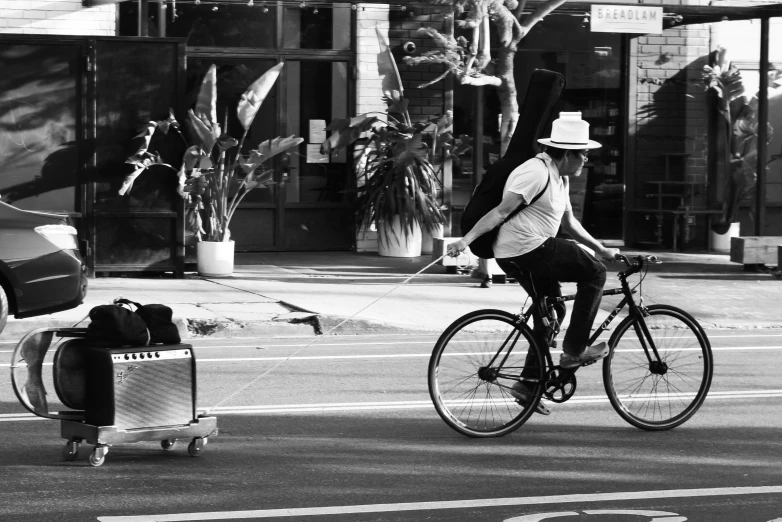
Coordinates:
[637,262]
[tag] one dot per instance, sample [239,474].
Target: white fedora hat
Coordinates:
[569,131]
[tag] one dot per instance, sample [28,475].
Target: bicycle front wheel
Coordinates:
[654,396]
[473,366]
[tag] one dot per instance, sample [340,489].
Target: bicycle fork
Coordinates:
[656,364]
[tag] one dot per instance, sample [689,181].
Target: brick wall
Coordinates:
[428,102]
[400,27]
[56,17]
[671,110]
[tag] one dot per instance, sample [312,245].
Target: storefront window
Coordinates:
[774,151]
[324,27]
[592,66]
[208,25]
[39,159]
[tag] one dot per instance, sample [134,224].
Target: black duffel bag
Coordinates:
[159,320]
[118,325]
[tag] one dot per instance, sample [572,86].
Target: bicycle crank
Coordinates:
[560,384]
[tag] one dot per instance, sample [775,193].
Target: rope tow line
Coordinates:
[294,354]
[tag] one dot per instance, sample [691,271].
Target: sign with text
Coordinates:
[626,19]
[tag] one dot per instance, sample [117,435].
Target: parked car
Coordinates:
[41,270]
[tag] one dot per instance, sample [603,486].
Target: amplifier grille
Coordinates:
[153,391]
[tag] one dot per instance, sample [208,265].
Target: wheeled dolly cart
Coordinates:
[118,395]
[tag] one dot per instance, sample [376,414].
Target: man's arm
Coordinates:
[510,202]
[571,225]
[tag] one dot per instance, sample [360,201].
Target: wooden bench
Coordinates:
[756,250]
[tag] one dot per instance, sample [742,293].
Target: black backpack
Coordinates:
[534,117]
[487,195]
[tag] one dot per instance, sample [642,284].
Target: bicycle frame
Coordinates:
[641,329]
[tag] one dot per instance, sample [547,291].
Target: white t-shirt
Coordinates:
[528,229]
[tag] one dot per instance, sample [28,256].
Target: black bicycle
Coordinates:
[656,375]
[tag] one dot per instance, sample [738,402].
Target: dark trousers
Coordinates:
[562,260]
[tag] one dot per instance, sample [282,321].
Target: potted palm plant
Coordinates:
[397,181]
[215,175]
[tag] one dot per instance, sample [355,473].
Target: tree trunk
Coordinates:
[509,103]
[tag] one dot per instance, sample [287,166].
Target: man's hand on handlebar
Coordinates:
[609,254]
[456,248]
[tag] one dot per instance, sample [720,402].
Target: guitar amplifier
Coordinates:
[140,387]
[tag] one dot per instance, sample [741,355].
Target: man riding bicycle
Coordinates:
[527,242]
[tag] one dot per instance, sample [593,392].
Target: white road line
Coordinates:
[201,343]
[452,504]
[427,404]
[415,405]
[409,355]
[414,355]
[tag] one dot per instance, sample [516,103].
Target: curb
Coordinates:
[306,324]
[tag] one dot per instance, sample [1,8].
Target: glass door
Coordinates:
[309,206]
[255,224]
[316,197]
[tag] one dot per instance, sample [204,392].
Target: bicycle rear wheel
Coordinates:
[651,396]
[470,387]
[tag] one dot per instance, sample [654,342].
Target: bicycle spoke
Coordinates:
[664,394]
[471,396]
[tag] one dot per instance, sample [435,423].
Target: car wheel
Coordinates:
[3,309]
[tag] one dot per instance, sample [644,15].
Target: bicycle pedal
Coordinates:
[590,362]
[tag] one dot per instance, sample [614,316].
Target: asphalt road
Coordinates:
[343,429]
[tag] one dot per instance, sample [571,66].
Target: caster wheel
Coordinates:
[98,456]
[168,445]
[196,446]
[71,450]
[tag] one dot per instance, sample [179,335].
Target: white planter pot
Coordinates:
[428,237]
[215,258]
[721,242]
[391,240]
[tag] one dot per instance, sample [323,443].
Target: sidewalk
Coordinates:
[307,293]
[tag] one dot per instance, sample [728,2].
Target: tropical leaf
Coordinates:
[142,161]
[205,163]
[346,131]
[181,181]
[250,164]
[386,65]
[127,183]
[258,180]
[171,122]
[226,142]
[203,130]
[206,103]
[142,154]
[191,157]
[270,148]
[252,99]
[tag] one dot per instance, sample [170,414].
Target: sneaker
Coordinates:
[523,396]
[588,356]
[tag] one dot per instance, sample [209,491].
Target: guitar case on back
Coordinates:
[535,116]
